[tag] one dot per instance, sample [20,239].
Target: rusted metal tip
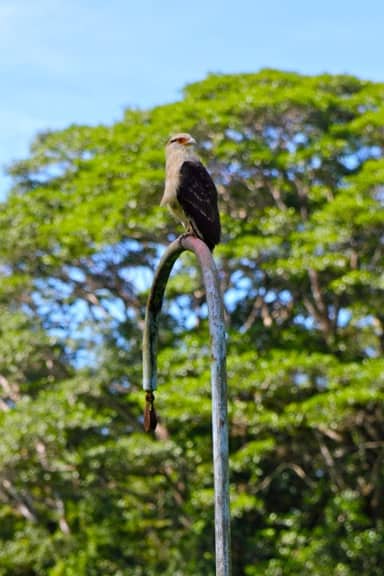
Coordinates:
[150,416]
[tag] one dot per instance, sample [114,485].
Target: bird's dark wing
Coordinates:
[197,196]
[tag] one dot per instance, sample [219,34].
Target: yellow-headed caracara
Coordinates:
[190,193]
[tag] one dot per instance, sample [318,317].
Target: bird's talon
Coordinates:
[186,234]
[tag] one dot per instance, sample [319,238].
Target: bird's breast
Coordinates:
[172,177]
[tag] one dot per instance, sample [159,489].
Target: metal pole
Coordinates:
[218,377]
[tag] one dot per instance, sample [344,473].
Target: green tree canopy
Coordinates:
[299,166]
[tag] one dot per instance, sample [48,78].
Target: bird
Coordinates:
[190,193]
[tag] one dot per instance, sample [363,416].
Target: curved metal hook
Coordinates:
[218,375]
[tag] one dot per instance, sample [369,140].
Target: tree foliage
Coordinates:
[299,165]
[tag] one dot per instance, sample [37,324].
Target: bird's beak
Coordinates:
[191,141]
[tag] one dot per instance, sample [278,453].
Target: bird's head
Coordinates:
[181,141]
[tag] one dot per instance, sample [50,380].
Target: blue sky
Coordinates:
[84,61]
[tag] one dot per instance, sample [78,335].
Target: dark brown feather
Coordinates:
[197,196]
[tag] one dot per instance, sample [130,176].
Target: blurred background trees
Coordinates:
[299,165]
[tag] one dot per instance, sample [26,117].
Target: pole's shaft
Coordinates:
[219,410]
[218,377]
